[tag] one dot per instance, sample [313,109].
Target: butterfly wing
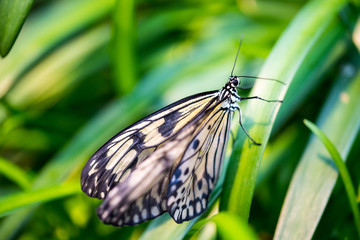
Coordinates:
[195,176]
[142,195]
[117,158]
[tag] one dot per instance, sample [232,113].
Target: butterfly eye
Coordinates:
[234,80]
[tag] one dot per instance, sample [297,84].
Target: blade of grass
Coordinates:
[166,228]
[39,36]
[324,55]
[315,175]
[18,200]
[46,82]
[12,16]
[278,152]
[123,42]
[344,173]
[283,63]
[16,174]
[229,226]
[10,225]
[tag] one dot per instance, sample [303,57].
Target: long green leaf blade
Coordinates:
[18,200]
[344,173]
[283,64]
[123,43]
[12,16]
[232,227]
[14,173]
[315,177]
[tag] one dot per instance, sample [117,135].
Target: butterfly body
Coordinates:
[168,161]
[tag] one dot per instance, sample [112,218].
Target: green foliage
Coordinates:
[229,226]
[343,172]
[80,71]
[283,63]
[12,16]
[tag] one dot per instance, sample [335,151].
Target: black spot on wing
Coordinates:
[196,143]
[170,122]
[177,173]
[199,184]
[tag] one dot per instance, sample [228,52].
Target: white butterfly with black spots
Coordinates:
[168,161]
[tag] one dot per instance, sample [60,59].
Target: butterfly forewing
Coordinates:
[196,174]
[117,158]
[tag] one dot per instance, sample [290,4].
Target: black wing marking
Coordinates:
[195,176]
[117,158]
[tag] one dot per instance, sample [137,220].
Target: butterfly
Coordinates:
[169,161]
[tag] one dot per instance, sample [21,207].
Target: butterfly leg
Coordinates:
[256,97]
[240,122]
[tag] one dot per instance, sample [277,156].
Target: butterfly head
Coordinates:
[229,90]
[234,81]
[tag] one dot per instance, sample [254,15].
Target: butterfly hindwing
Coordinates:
[195,176]
[118,157]
[136,201]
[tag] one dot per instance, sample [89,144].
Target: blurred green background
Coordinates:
[80,71]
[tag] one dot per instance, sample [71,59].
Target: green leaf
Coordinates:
[315,176]
[12,16]
[167,228]
[283,63]
[123,44]
[18,200]
[344,173]
[44,84]
[16,174]
[325,54]
[230,226]
[50,26]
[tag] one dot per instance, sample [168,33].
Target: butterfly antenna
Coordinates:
[261,78]
[237,54]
